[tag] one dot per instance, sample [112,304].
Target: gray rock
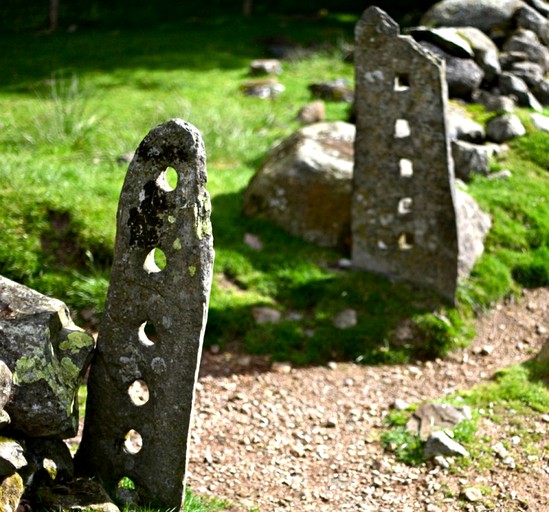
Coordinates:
[504,174]
[262,88]
[304,185]
[495,102]
[482,14]
[6,384]
[429,418]
[266,315]
[528,18]
[336,90]
[514,86]
[540,5]
[528,42]
[314,112]
[486,53]
[40,450]
[397,233]
[345,319]
[472,494]
[473,226]
[447,38]
[541,92]
[12,457]
[47,355]
[461,126]
[463,76]
[540,122]
[530,72]
[504,127]
[471,158]
[259,67]
[152,329]
[439,443]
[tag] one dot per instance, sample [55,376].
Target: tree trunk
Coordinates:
[54,15]
[247,8]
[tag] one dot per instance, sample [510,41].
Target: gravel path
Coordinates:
[278,438]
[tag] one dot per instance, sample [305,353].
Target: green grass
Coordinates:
[72,103]
[517,392]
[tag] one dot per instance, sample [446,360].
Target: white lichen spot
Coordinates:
[141,196]
[374,76]
[177,244]
[158,365]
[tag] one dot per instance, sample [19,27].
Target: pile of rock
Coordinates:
[44,357]
[495,50]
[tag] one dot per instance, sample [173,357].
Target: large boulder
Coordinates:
[304,186]
[528,43]
[47,355]
[463,76]
[485,51]
[482,14]
[528,18]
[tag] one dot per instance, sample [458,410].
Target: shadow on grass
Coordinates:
[223,42]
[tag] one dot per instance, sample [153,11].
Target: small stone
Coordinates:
[509,462]
[260,67]
[400,405]
[332,365]
[281,367]
[345,319]
[545,418]
[441,461]
[298,450]
[486,350]
[266,315]
[472,494]
[541,329]
[125,158]
[263,88]
[254,242]
[330,423]
[500,450]
[313,112]
[504,174]
[439,443]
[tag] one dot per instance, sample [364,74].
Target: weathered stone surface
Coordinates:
[439,443]
[47,355]
[473,226]
[504,127]
[11,491]
[263,88]
[530,72]
[482,14]
[543,356]
[495,102]
[81,494]
[336,90]
[12,457]
[429,418]
[540,5]
[403,215]
[42,451]
[461,126]
[540,122]
[541,92]
[6,383]
[5,419]
[304,186]
[470,159]
[526,41]
[314,112]
[528,18]
[446,38]
[463,76]
[260,67]
[485,51]
[153,326]
[514,86]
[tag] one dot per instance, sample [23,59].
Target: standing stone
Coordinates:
[403,215]
[141,384]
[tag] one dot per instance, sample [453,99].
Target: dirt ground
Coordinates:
[279,438]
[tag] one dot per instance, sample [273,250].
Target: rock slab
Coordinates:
[141,384]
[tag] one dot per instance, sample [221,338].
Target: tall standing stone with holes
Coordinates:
[403,217]
[141,384]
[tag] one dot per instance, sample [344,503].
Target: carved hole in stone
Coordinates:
[406,168]
[147,333]
[126,483]
[139,392]
[167,180]
[405,241]
[405,205]
[133,442]
[402,82]
[155,261]
[402,129]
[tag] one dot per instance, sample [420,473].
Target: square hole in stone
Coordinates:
[405,241]
[402,129]
[406,167]
[402,82]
